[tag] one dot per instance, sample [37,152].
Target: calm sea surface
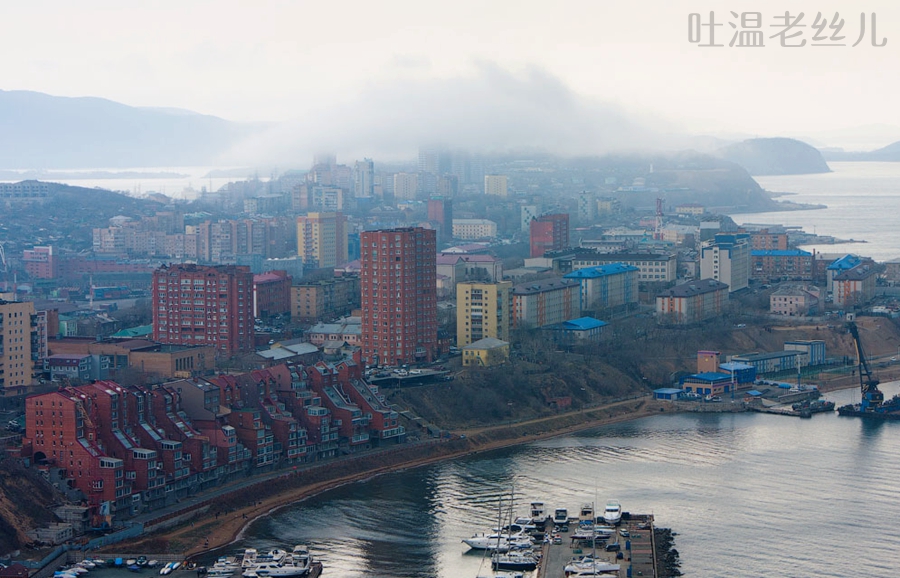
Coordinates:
[749,495]
[863,204]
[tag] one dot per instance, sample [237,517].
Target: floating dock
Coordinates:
[637,550]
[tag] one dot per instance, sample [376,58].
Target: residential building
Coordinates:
[40,263]
[549,233]
[322,239]
[347,330]
[587,208]
[838,266]
[483,310]
[777,265]
[271,294]
[769,239]
[653,267]
[794,300]
[527,214]
[19,339]
[453,268]
[326,299]
[545,302]
[607,286]
[406,186]
[692,302]
[495,185]
[440,212]
[486,352]
[854,286]
[726,258]
[364,178]
[474,229]
[690,209]
[399,295]
[204,305]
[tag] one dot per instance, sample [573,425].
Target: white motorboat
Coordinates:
[587,513]
[249,559]
[301,556]
[276,570]
[498,541]
[560,516]
[613,512]
[514,561]
[276,555]
[588,566]
[167,569]
[538,513]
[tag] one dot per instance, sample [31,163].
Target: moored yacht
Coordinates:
[560,516]
[498,541]
[613,512]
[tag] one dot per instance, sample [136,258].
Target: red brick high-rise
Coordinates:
[549,233]
[399,295]
[199,305]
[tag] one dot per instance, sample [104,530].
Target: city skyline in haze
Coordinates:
[579,77]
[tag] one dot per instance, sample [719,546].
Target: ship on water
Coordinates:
[872,404]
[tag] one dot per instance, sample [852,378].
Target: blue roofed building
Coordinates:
[607,286]
[839,266]
[667,393]
[711,383]
[743,373]
[581,330]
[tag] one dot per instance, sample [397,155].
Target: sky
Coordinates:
[342,68]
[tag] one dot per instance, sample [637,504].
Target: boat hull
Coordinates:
[854,411]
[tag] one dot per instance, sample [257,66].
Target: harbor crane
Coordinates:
[868,385]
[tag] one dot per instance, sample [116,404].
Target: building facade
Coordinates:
[18,340]
[545,302]
[549,233]
[653,267]
[474,229]
[794,300]
[778,265]
[727,260]
[271,294]
[204,305]
[399,295]
[607,286]
[692,302]
[854,286]
[322,239]
[483,310]
[495,185]
[327,299]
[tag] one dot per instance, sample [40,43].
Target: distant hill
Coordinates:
[890,153]
[775,156]
[44,131]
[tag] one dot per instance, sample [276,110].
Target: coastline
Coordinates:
[224,520]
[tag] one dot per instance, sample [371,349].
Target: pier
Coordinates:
[636,547]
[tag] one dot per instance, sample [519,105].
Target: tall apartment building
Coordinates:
[198,305]
[406,186]
[364,178]
[726,258]
[271,293]
[322,239]
[549,233]
[323,300]
[440,211]
[483,310]
[495,185]
[399,295]
[16,335]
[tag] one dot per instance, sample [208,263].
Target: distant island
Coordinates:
[890,153]
[775,156]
